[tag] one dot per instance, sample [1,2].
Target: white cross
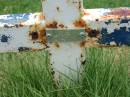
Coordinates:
[65,28]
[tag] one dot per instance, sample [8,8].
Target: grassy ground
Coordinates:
[27,74]
[105,74]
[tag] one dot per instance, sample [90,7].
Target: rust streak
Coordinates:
[82,44]
[107,46]
[52,24]
[108,17]
[61,26]
[90,42]
[80,5]
[34,35]
[85,12]
[41,16]
[91,32]
[37,33]
[42,36]
[120,12]
[79,23]
[57,45]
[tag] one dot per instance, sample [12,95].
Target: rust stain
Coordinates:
[80,23]
[85,12]
[37,33]
[12,26]
[82,44]
[61,26]
[42,36]
[107,46]
[90,42]
[58,8]
[120,12]
[91,32]
[19,25]
[108,17]
[80,5]
[52,24]
[34,35]
[57,45]
[41,16]
[36,49]
[116,14]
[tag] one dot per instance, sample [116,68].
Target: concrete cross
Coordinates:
[65,28]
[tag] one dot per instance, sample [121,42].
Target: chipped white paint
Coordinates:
[34,19]
[66,60]
[93,14]
[17,37]
[112,43]
[26,19]
[64,12]
[90,19]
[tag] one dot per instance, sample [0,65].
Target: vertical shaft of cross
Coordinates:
[62,18]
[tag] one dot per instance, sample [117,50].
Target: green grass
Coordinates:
[28,74]
[106,3]
[105,74]
[22,6]
[19,6]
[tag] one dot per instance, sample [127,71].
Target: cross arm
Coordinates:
[103,27]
